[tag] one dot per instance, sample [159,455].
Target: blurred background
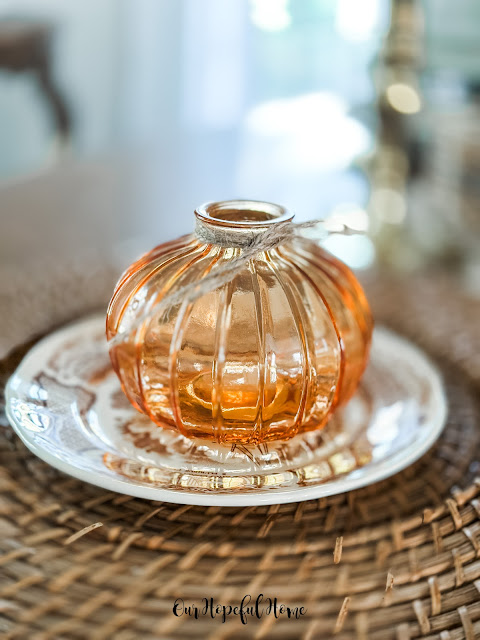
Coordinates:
[118,117]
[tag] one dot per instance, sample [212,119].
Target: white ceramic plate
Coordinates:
[66,404]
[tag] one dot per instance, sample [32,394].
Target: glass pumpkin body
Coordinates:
[264,356]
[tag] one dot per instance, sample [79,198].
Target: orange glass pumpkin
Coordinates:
[269,354]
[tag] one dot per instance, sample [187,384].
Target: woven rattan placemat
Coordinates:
[397,560]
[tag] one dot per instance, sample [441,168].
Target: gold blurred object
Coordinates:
[399,98]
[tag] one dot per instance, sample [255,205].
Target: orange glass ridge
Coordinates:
[263,357]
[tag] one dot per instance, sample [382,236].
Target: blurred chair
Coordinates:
[26,46]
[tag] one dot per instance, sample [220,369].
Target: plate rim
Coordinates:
[342,484]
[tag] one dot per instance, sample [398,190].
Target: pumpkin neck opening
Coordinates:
[234,223]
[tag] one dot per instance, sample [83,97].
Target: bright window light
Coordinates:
[356,20]
[270,15]
[352,216]
[356,251]
[315,131]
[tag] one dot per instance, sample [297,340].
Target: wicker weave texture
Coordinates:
[395,561]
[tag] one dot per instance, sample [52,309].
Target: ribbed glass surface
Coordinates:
[263,357]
